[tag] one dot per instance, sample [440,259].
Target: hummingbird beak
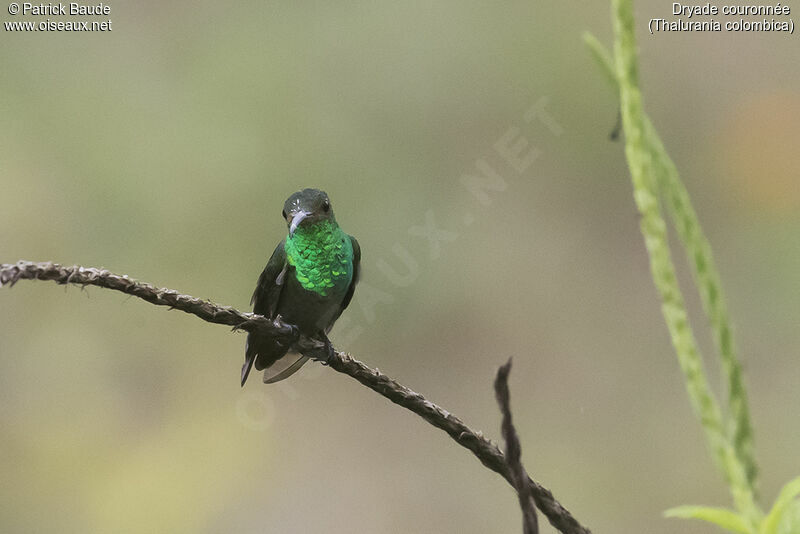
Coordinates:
[296,220]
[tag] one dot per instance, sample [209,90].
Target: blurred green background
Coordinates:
[164,150]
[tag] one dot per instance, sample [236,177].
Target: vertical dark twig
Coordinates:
[513,452]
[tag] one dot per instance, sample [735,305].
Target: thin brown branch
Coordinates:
[486,451]
[519,476]
[10,274]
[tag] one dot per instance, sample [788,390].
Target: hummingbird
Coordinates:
[308,282]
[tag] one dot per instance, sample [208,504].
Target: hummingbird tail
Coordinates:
[284,367]
[249,357]
[262,352]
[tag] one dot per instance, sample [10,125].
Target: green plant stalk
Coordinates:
[707,280]
[706,275]
[639,156]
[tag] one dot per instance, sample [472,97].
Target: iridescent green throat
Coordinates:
[322,256]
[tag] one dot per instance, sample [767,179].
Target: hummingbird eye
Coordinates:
[326,206]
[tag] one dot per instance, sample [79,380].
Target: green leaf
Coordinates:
[602,57]
[785,498]
[722,517]
[790,524]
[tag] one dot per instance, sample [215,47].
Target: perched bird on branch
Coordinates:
[308,282]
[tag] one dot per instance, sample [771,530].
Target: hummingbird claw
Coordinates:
[280,324]
[322,350]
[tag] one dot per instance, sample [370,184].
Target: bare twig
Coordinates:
[86,276]
[486,451]
[514,451]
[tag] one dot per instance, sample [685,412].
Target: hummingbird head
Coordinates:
[306,208]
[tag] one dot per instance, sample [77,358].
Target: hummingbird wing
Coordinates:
[265,301]
[268,290]
[351,289]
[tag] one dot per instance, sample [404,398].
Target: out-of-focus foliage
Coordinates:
[165,149]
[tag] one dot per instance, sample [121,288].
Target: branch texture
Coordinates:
[530,524]
[486,451]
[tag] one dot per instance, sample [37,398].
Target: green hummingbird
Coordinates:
[308,282]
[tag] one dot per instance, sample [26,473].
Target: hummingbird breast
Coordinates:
[320,260]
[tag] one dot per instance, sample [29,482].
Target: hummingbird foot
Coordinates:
[330,352]
[321,349]
[282,325]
